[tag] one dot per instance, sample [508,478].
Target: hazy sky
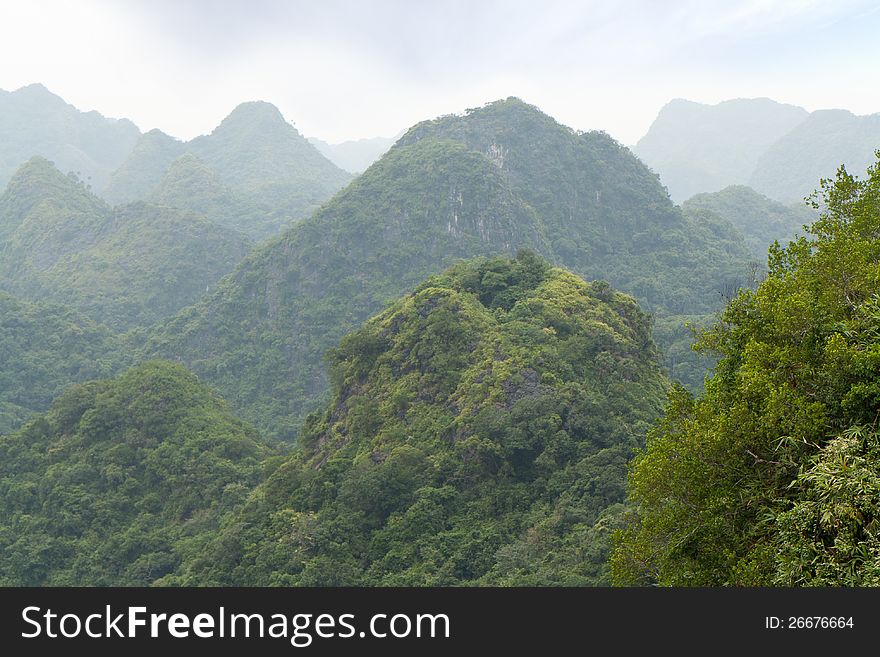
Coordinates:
[344,69]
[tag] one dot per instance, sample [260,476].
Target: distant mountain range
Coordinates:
[34,121]
[497,179]
[779,150]
[125,266]
[356,155]
[269,174]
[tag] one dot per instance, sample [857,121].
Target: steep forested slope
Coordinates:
[606,216]
[759,219]
[478,433]
[273,175]
[120,480]
[499,178]
[127,266]
[34,121]
[772,477]
[44,348]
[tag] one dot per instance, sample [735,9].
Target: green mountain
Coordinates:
[772,476]
[260,337]
[761,220]
[127,266]
[43,348]
[704,148]
[121,480]
[142,171]
[790,169]
[500,178]
[275,175]
[34,121]
[38,187]
[189,184]
[605,214]
[478,433]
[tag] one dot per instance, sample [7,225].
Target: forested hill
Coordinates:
[260,337]
[190,184]
[121,480]
[500,178]
[125,266]
[43,348]
[761,220]
[478,433]
[38,187]
[34,121]
[606,214]
[140,173]
[770,478]
[273,175]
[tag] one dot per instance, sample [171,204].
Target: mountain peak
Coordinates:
[34,164]
[698,147]
[39,181]
[255,114]
[40,177]
[36,89]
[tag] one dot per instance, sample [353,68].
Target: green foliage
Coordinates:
[255,173]
[261,336]
[761,220]
[43,348]
[124,267]
[829,536]
[606,217]
[121,480]
[770,477]
[34,121]
[478,433]
[502,177]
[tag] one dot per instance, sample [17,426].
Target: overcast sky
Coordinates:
[342,69]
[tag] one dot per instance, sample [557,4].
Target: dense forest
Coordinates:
[499,178]
[120,479]
[771,476]
[125,266]
[500,356]
[478,433]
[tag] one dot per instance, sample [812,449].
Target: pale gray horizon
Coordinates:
[342,70]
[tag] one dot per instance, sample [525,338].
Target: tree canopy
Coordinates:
[121,479]
[771,476]
[478,434]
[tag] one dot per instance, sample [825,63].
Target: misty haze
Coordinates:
[439,294]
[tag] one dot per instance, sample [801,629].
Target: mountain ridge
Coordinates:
[579,198]
[34,121]
[780,150]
